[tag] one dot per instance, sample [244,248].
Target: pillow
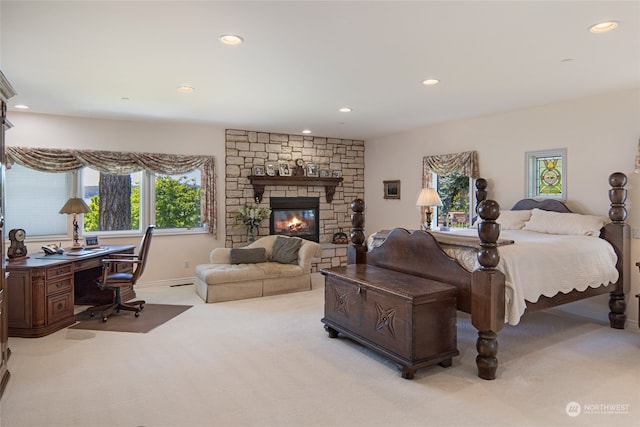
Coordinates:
[513,220]
[248,255]
[564,223]
[285,250]
[509,220]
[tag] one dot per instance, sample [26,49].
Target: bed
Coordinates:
[488,284]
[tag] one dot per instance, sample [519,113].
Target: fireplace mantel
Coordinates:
[259,183]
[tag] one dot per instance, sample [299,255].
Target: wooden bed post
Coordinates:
[487,292]
[357,253]
[481,191]
[617,233]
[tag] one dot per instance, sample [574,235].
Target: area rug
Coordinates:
[151,316]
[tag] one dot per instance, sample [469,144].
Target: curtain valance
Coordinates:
[118,163]
[465,163]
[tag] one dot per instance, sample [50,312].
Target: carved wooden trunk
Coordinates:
[411,320]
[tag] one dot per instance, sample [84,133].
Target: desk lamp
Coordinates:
[427,199]
[75,205]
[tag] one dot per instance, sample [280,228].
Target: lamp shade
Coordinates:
[75,205]
[428,197]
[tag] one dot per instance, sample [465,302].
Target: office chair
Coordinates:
[114,280]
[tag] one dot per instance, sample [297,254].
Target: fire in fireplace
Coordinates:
[295,216]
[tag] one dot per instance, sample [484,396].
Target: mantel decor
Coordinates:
[259,183]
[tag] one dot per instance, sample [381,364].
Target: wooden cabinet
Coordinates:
[6,92]
[409,319]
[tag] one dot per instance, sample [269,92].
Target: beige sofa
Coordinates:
[220,280]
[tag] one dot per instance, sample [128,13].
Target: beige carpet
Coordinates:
[151,316]
[269,362]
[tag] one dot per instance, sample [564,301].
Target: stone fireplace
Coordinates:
[295,216]
[247,150]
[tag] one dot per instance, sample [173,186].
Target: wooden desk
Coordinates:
[42,290]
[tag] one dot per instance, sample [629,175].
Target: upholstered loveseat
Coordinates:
[271,265]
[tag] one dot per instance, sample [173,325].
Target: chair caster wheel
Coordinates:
[137,314]
[141,306]
[91,314]
[104,320]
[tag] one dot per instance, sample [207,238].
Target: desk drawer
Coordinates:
[86,264]
[59,271]
[65,285]
[59,307]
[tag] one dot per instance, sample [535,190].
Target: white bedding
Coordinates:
[544,264]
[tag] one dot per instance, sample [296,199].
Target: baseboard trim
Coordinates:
[169,282]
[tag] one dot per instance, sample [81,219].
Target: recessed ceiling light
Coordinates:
[603,27]
[430,82]
[21,106]
[231,39]
[185,89]
[306,131]
[345,110]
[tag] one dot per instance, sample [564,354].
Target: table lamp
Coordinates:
[427,199]
[75,205]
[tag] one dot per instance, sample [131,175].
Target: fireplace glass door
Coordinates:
[296,217]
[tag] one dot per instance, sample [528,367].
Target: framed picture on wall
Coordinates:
[391,189]
[258,170]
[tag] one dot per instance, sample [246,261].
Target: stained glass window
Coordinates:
[546,174]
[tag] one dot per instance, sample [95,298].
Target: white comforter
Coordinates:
[544,264]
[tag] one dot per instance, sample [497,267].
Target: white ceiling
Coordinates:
[301,61]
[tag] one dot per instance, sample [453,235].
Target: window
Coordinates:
[33,200]
[114,200]
[452,176]
[546,174]
[125,191]
[454,190]
[175,203]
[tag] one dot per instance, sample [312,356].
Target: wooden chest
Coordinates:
[409,319]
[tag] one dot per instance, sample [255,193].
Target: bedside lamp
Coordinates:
[75,205]
[427,199]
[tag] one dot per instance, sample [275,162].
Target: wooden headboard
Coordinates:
[544,204]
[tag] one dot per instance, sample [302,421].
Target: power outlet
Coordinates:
[635,233]
[186,263]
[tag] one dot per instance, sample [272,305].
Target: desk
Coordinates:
[42,290]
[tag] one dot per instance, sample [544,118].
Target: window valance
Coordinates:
[118,163]
[465,162]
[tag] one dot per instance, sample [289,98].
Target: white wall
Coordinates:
[168,253]
[600,134]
